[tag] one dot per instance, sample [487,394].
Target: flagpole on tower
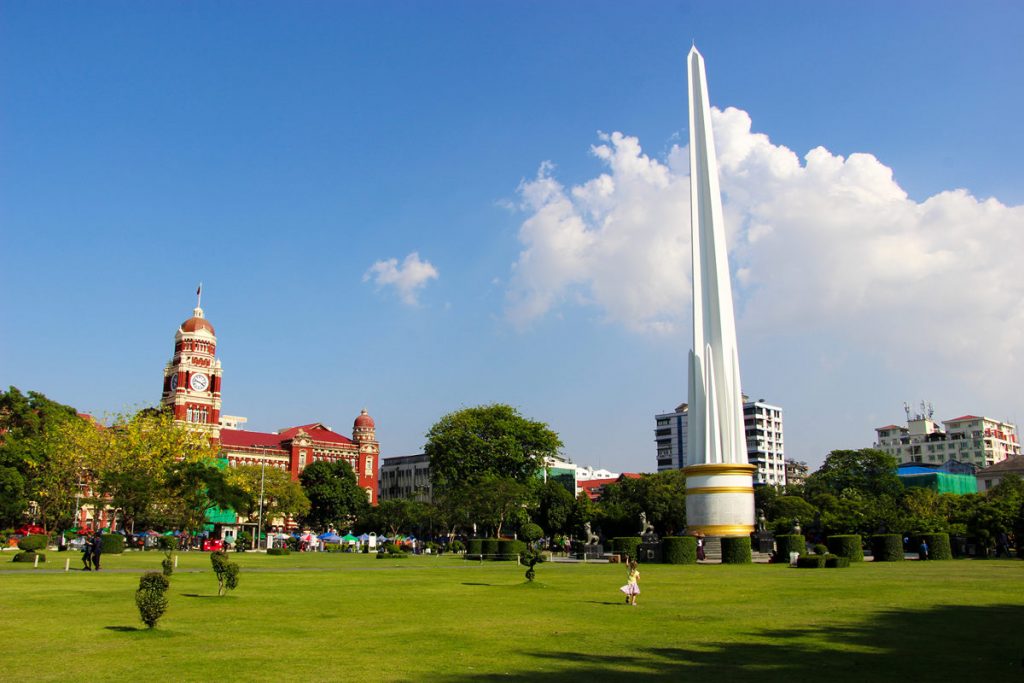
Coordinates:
[199,296]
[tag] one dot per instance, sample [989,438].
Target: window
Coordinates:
[369,466]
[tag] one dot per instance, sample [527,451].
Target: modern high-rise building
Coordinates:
[980,441]
[765,445]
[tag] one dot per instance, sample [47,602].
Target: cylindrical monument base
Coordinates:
[720,499]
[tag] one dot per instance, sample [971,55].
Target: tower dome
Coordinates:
[364,421]
[197,322]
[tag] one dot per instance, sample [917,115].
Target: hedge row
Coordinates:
[848,546]
[494,548]
[278,551]
[679,549]
[736,550]
[627,545]
[822,561]
[113,544]
[29,556]
[887,547]
[938,546]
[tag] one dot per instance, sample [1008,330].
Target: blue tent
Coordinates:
[364,537]
[330,538]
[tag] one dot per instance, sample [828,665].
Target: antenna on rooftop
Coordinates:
[931,410]
[906,409]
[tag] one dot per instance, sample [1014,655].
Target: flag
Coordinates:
[199,290]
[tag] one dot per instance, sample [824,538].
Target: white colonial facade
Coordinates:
[980,441]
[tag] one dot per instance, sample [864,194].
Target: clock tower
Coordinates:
[192,377]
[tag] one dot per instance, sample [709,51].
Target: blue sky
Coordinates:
[528,155]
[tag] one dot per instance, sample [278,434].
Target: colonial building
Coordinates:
[765,446]
[980,441]
[192,389]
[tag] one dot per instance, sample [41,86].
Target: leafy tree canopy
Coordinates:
[282,497]
[487,440]
[334,494]
[868,472]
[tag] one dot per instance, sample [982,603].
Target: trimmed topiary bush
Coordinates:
[227,572]
[938,546]
[531,532]
[887,547]
[679,549]
[811,561]
[456,546]
[278,551]
[736,550]
[627,545]
[509,549]
[151,598]
[820,549]
[789,543]
[29,556]
[489,549]
[33,542]
[838,561]
[113,544]
[474,548]
[848,546]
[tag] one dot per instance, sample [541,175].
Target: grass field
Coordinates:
[352,617]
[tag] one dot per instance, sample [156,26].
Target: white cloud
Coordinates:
[829,245]
[407,279]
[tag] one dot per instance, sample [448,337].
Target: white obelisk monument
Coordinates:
[719,481]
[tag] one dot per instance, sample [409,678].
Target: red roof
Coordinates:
[242,438]
[964,417]
[878,429]
[195,323]
[317,431]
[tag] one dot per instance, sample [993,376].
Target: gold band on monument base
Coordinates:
[721,529]
[720,468]
[699,490]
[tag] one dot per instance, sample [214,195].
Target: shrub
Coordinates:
[243,541]
[736,550]
[838,561]
[489,549]
[112,544]
[820,549]
[392,556]
[456,546]
[789,543]
[938,546]
[848,546]
[509,549]
[627,545]
[29,556]
[887,547]
[474,548]
[151,597]
[167,566]
[278,551]
[33,542]
[679,549]
[811,561]
[531,532]
[167,544]
[227,572]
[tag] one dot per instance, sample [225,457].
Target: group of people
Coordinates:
[91,551]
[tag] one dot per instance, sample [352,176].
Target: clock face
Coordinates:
[199,382]
[174,382]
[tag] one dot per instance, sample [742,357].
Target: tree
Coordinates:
[494,501]
[12,497]
[59,461]
[661,496]
[555,508]
[396,515]
[492,440]
[334,494]
[868,471]
[197,488]
[135,456]
[282,497]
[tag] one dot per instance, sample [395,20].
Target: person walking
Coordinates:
[87,554]
[922,551]
[97,550]
[632,587]
[700,546]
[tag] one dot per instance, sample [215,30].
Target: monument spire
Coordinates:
[719,484]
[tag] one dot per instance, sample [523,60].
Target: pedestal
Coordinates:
[720,499]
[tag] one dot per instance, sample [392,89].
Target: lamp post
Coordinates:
[259,524]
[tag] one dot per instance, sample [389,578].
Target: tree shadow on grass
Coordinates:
[941,643]
[139,630]
[197,595]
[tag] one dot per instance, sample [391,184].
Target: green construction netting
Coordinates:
[941,482]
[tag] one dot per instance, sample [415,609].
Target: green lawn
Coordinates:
[352,617]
